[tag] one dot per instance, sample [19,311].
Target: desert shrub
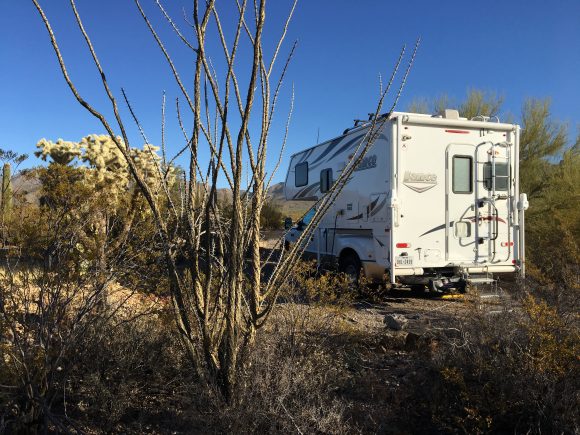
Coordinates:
[271,218]
[72,361]
[552,244]
[128,376]
[137,261]
[72,364]
[550,174]
[43,318]
[513,371]
[293,381]
[288,385]
[57,230]
[308,284]
[73,230]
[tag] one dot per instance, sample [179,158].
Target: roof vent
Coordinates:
[451,114]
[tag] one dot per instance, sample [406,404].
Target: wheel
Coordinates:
[350,265]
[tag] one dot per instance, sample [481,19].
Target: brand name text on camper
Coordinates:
[417,177]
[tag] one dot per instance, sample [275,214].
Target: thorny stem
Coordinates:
[218,307]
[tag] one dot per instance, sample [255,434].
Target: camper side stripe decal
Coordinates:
[307,190]
[342,149]
[346,146]
[380,207]
[328,149]
[440,227]
[471,218]
[305,156]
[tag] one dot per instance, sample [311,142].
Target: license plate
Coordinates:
[404,261]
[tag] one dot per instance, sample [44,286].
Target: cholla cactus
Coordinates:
[107,167]
[61,151]
[148,163]
[103,174]
[103,155]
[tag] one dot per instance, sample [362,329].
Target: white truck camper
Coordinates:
[434,204]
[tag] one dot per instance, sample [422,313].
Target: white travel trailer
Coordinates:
[435,202]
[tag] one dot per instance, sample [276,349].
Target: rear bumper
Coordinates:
[467,268]
[376,271]
[507,268]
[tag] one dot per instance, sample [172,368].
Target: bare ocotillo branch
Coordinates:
[217,303]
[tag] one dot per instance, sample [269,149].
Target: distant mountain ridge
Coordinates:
[276,192]
[29,188]
[294,209]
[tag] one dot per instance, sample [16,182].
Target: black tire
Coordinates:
[350,265]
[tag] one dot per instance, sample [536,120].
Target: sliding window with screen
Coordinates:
[462,175]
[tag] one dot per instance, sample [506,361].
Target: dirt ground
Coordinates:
[384,367]
[270,238]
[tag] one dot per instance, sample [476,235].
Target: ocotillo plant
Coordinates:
[218,304]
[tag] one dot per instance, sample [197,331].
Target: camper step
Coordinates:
[481,280]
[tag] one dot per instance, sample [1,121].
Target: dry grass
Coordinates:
[325,363]
[512,368]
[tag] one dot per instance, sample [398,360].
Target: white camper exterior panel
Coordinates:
[432,198]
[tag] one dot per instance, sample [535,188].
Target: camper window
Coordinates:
[301,174]
[325,180]
[462,174]
[501,176]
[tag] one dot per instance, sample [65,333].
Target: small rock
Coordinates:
[396,322]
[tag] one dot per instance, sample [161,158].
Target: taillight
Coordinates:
[403,245]
[505,244]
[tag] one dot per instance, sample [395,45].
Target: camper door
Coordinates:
[478,193]
[460,201]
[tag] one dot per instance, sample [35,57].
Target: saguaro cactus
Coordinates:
[6,190]
[6,205]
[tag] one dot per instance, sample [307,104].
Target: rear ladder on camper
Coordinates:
[491,200]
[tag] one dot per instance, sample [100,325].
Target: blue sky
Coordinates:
[518,49]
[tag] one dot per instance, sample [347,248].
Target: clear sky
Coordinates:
[519,49]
